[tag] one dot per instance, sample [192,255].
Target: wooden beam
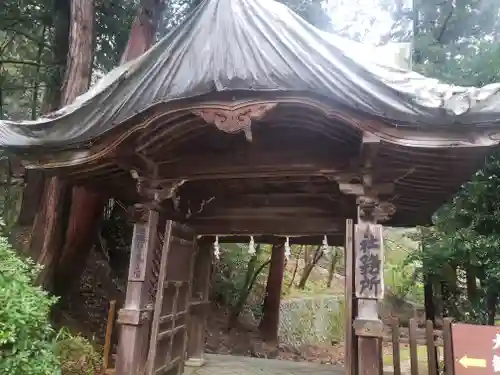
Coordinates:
[263,212]
[250,199]
[259,163]
[360,189]
[333,239]
[370,146]
[269,226]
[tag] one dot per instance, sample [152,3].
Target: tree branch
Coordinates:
[445,25]
[2,49]
[25,62]
[259,270]
[27,36]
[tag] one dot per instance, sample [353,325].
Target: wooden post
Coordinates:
[369,257]
[449,367]
[396,353]
[109,332]
[135,316]
[369,288]
[432,358]
[350,340]
[200,305]
[413,327]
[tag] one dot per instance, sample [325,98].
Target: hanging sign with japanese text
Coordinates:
[137,270]
[369,252]
[476,349]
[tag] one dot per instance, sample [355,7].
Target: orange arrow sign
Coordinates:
[472,362]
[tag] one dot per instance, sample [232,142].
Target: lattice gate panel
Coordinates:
[169,332]
[155,269]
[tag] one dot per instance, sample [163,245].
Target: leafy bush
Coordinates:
[26,336]
[76,354]
[234,271]
[336,323]
[229,280]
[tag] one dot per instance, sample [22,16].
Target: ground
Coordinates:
[234,365]
[244,340]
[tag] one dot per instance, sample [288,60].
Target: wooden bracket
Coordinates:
[368,328]
[157,192]
[372,210]
[363,186]
[362,189]
[134,317]
[138,213]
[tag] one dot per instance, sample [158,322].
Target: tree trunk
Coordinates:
[429,305]
[78,226]
[83,224]
[471,283]
[86,206]
[296,267]
[44,208]
[144,28]
[80,55]
[48,230]
[59,205]
[305,275]
[331,270]
[430,309]
[250,278]
[491,303]
[32,194]
[310,264]
[271,310]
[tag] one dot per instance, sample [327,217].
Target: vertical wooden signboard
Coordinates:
[137,269]
[369,278]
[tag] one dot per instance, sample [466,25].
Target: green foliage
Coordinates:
[26,337]
[400,274]
[76,354]
[235,270]
[457,42]
[336,323]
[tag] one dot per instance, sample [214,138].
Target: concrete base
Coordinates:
[195,362]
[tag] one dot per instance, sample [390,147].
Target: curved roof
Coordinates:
[257,45]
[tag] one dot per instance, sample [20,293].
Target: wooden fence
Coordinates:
[417,341]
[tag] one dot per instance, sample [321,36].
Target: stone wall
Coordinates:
[312,320]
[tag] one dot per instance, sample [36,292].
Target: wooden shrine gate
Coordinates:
[162,307]
[169,327]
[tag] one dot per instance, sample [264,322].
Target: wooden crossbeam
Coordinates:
[333,239]
[269,226]
[259,163]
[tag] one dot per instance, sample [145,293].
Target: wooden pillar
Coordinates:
[367,325]
[270,320]
[135,316]
[350,339]
[199,305]
[368,271]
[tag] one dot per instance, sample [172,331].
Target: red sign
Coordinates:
[476,349]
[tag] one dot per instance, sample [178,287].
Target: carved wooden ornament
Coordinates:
[235,120]
[372,209]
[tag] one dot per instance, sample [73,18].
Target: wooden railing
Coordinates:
[423,348]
